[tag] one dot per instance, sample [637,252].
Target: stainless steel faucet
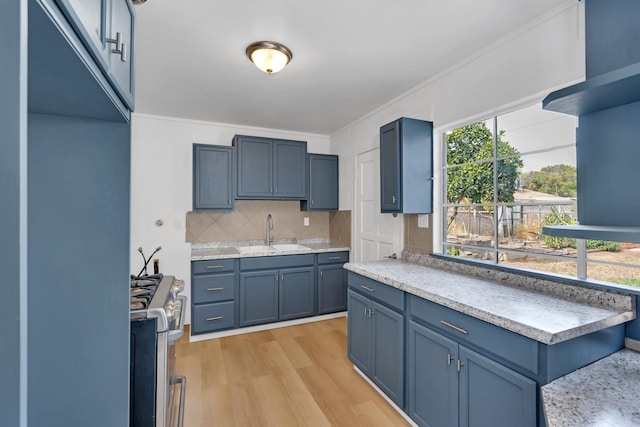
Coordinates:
[269,239]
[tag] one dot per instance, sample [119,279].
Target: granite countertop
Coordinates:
[605,393]
[545,318]
[209,251]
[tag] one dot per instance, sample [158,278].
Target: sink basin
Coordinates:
[289,247]
[252,249]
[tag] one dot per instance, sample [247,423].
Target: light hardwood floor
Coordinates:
[294,376]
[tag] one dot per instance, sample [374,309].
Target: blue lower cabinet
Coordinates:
[332,288]
[213,317]
[258,297]
[296,293]
[492,395]
[450,385]
[432,377]
[376,344]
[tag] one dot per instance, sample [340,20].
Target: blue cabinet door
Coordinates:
[492,395]
[387,343]
[390,167]
[406,166]
[359,331]
[332,288]
[289,169]
[432,378]
[296,293]
[258,297]
[89,20]
[254,167]
[121,24]
[323,183]
[212,177]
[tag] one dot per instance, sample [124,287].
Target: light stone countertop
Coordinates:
[542,317]
[212,251]
[605,393]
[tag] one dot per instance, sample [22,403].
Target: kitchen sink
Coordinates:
[252,249]
[289,247]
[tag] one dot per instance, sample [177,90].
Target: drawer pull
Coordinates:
[334,257]
[213,319]
[464,331]
[215,289]
[366,288]
[211,267]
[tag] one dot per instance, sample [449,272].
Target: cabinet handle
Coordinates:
[282,277]
[460,365]
[276,188]
[449,359]
[393,199]
[215,289]
[276,277]
[121,47]
[464,331]
[210,267]
[334,257]
[322,274]
[213,319]
[371,312]
[313,202]
[366,288]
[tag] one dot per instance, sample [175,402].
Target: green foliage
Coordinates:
[557,179]
[473,183]
[453,251]
[603,245]
[557,218]
[630,281]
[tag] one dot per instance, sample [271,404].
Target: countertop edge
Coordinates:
[267,254]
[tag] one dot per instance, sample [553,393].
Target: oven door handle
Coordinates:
[182,380]
[177,333]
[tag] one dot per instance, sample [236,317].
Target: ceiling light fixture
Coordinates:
[269,57]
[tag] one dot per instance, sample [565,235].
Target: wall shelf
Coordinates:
[608,90]
[595,232]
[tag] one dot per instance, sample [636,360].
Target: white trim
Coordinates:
[258,130]
[265,327]
[632,344]
[389,401]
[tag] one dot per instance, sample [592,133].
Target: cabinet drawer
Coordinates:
[214,287]
[212,266]
[213,317]
[333,258]
[377,291]
[271,262]
[505,344]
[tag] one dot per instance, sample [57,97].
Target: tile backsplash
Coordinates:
[248,222]
[418,240]
[340,227]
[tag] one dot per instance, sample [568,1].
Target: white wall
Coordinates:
[161,182]
[522,67]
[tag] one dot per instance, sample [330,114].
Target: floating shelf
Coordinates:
[618,87]
[595,232]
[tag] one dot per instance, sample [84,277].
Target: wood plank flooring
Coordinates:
[294,376]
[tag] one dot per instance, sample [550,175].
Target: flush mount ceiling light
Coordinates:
[269,57]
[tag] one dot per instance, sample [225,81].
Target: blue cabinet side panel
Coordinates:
[359,331]
[12,178]
[388,350]
[611,35]
[633,328]
[607,157]
[78,249]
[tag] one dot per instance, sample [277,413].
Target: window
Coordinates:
[508,176]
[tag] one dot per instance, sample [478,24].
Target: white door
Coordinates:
[377,235]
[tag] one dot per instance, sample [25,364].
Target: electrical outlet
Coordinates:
[306,221]
[423,221]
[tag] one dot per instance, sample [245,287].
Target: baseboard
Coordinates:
[381,393]
[632,344]
[265,327]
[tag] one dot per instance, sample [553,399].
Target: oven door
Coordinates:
[176,384]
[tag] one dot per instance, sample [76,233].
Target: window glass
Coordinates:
[509,176]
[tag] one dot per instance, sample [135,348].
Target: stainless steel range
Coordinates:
[157,321]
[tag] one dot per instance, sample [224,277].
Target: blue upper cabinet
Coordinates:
[270,168]
[212,177]
[406,166]
[106,28]
[323,183]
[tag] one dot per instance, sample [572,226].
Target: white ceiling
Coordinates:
[349,56]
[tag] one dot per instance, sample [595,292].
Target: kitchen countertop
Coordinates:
[201,252]
[605,393]
[542,317]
